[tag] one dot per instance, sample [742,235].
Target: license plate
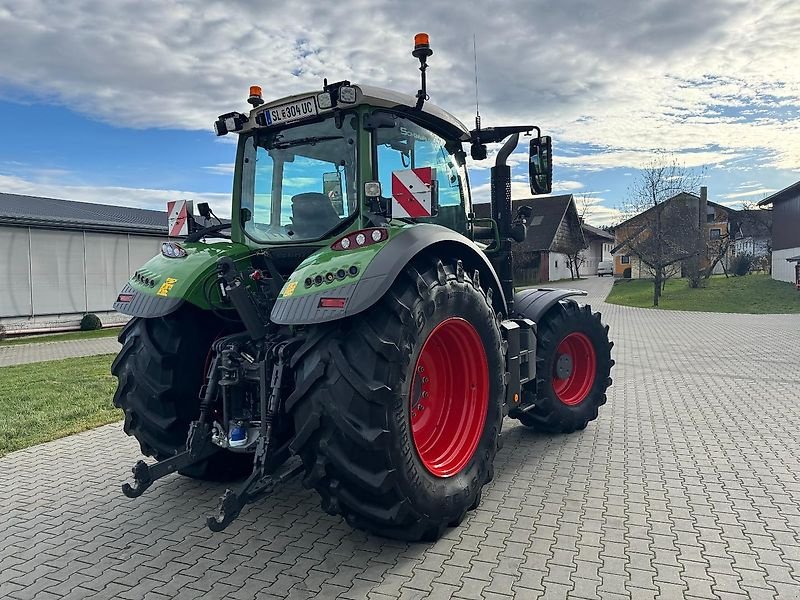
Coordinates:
[286,113]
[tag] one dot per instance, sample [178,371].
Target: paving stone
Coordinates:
[683,488]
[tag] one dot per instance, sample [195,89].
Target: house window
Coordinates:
[715,234]
[625,259]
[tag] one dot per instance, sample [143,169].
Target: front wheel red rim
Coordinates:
[449,397]
[574,368]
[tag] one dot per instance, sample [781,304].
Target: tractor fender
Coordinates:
[534,304]
[163,284]
[381,272]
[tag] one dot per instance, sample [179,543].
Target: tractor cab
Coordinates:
[359,163]
[353,156]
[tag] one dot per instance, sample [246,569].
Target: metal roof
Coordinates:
[52,213]
[547,212]
[784,194]
[596,232]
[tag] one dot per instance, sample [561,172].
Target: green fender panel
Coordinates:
[162,284]
[377,267]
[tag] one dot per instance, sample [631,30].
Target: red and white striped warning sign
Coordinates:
[178,212]
[411,192]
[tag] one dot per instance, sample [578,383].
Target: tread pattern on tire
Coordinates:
[550,414]
[345,413]
[159,371]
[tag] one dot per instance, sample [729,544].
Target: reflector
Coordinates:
[332,302]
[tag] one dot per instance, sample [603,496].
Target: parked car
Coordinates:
[605,267]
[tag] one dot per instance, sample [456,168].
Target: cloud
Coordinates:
[621,77]
[714,81]
[221,169]
[122,196]
[759,192]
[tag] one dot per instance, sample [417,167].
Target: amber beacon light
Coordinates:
[255,95]
[422,45]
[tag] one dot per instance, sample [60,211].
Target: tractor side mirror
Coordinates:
[540,167]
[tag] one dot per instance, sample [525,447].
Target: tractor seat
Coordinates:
[313,214]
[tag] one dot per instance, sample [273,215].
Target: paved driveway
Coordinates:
[687,486]
[39,352]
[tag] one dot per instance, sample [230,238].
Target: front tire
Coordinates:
[160,370]
[377,445]
[573,364]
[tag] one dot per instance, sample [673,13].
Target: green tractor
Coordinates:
[360,326]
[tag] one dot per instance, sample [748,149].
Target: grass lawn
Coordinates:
[61,337]
[752,294]
[43,401]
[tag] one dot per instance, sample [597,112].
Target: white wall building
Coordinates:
[60,259]
[785,231]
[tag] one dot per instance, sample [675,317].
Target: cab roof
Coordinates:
[379,97]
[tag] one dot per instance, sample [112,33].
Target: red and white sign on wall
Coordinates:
[178,212]
[411,192]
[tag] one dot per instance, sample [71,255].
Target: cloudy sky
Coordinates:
[114,101]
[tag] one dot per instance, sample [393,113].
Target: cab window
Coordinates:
[407,145]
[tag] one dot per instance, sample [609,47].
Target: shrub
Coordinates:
[90,322]
[742,264]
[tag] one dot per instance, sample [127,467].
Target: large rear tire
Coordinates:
[397,411]
[160,370]
[573,364]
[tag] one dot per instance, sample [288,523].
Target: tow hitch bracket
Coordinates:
[263,479]
[199,447]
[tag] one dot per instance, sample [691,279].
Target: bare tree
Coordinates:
[752,217]
[664,233]
[575,248]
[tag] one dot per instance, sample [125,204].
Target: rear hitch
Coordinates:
[256,486]
[199,447]
[263,479]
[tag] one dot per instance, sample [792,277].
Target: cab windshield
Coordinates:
[300,183]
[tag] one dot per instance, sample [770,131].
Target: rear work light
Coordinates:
[361,238]
[173,250]
[124,297]
[229,123]
[332,302]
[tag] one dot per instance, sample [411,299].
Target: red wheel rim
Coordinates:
[577,351]
[449,397]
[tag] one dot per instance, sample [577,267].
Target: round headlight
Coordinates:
[345,243]
[376,235]
[360,239]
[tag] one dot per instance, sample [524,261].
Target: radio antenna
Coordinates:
[477,106]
